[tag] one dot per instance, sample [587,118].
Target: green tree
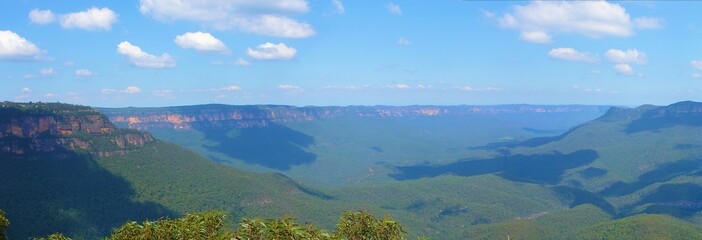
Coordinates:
[363,225]
[55,236]
[4,223]
[285,228]
[205,225]
[208,225]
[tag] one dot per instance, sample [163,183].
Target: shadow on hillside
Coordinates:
[577,196]
[532,142]
[68,193]
[663,173]
[679,200]
[539,168]
[274,146]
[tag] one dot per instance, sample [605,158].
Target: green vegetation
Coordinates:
[533,189]
[645,226]
[546,225]
[209,225]
[4,224]
[587,222]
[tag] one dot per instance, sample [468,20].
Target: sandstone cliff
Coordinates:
[34,128]
[231,116]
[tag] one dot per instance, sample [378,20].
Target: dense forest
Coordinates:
[90,181]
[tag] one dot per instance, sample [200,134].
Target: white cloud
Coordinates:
[648,23]
[538,20]
[231,88]
[127,90]
[571,54]
[276,26]
[466,88]
[139,58]
[291,88]
[403,41]
[487,14]
[84,73]
[270,51]
[696,64]
[26,90]
[132,90]
[624,68]
[201,41]
[50,95]
[628,56]
[69,63]
[535,36]
[339,6]
[91,19]
[241,62]
[108,91]
[696,75]
[399,86]
[14,47]
[485,89]
[393,8]
[41,16]
[47,72]
[264,17]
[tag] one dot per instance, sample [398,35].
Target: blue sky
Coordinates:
[342,52]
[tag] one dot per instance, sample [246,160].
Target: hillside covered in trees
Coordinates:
[71,170]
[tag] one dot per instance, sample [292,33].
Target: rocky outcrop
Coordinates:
[31,128]
[230,116]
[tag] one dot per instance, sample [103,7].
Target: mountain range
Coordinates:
[476,172]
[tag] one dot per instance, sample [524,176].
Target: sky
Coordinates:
[151,53]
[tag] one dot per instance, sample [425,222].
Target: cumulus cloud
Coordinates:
[26,90]
[291,88]
[571,54]
[267,17]
[403,41]
[339,6]
[47,72]
[624,68]
[201,41]
[41,16]
[50,95]
[393,8]
[14,47]
[628,56]
[91,19]
[696,75]
[270,51]
[535,36]
[84,73]
[139,58]
[538,20]
[696,64]
[132,89]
